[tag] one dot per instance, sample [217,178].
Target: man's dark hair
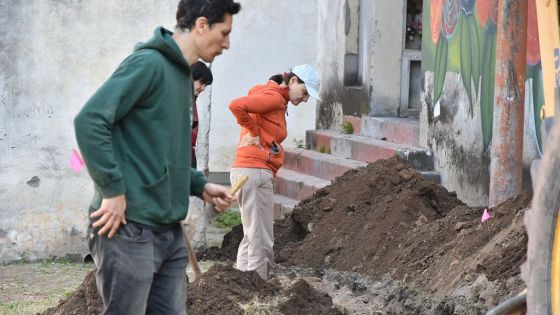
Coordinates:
[213,10]
[200,72]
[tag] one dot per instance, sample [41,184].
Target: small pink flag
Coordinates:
[485,216]
[76,162]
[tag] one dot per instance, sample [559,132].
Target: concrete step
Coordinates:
[400,130]
[431,175]
[325,166]
[296,185]
[283,206]
[367,149]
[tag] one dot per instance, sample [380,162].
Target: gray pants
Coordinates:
[257,216]
[140,270]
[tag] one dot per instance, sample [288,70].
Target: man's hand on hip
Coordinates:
[218,195]
[110,214]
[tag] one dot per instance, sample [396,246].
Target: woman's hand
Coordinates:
[248,140]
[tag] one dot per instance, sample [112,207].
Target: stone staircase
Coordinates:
[331,153]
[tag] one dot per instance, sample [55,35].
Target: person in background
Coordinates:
[262,117]
[202,77]
[134,136]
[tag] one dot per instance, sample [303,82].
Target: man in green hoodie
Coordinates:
[134,135]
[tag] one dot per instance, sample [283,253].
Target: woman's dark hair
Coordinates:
[200,72]
[284,78]
[213,10]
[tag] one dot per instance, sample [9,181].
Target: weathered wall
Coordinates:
[387,47]
[458,47]
[330,58]
[270,37]
[345,27]
[54,54]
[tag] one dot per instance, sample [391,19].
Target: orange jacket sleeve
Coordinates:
[261,103]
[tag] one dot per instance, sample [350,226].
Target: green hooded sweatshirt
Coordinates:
[134,134]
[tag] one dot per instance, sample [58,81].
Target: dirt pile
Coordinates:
[228,250]
[84,301]
[222,290]
[386,219]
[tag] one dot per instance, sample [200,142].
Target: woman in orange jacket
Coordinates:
[262,117]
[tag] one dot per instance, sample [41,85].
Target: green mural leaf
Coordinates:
[488,78]
[475,51]
[440,68]
[538,101]
[466,58]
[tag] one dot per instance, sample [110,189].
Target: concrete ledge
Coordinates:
[401,130]
[283,206]
[325,166]
[354,147]
[297,186]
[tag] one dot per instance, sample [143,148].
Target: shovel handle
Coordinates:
[190,252]
[235,188]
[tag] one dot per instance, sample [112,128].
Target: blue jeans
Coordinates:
[141,270]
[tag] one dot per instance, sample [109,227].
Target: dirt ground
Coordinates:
[378,240]
[32,287]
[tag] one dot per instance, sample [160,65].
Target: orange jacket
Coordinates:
[262,113]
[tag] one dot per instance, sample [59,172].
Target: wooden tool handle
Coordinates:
[239,184]
[191,253]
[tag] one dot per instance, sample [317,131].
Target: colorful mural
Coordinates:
[462,39]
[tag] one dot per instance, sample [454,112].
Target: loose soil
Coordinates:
[378,239]
[222,290]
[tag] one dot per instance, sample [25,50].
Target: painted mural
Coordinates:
[461,38]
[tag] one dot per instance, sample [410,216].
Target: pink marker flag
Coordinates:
[485,216]
[76,162]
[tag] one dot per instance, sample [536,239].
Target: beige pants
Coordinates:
[257,216]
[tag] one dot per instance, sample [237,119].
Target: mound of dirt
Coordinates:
[386,219]
[84,301]
[357,222]
[222,289]
[228,250]
[303,299]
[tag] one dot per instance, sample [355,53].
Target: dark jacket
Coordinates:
[135,134]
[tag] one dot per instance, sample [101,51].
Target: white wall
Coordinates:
[269,37]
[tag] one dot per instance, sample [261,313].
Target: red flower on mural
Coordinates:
[533,49]
[436,10]
[483,10]
[450,17]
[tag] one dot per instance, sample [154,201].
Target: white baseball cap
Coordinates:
[311,77]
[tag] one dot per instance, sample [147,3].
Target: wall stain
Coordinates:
[34,182]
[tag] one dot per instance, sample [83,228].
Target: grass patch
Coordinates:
[300,143]
[34,287]
[27,307]
[228,219]
[347,128]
